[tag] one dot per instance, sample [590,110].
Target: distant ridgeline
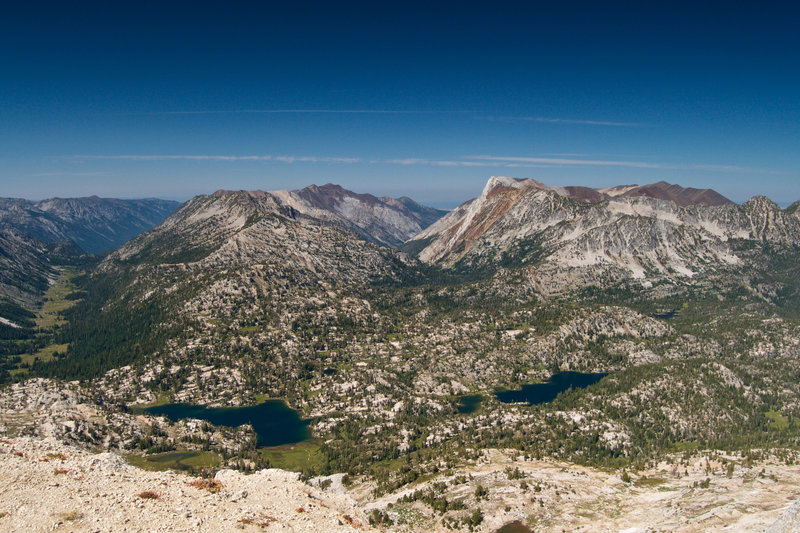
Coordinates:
[39,239]
[95,224]
[36,237]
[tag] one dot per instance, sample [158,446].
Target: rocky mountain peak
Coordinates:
[574,235]
[677,194]
[682,196]
[507,182]
[239,229]
[387,221]
[761,203]
[767,222]
[330,195]
[222,193]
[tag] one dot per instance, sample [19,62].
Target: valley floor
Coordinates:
[49,486]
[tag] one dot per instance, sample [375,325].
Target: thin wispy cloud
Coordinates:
[315,159]
[569,121]
[730,168]
[559,161]
[436,162]
[565,161]
[76,174]
[279,158]
[297,111]
[319,111]
[585,122]
[539,161]
[566,154]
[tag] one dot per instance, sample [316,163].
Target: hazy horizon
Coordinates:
[439,205]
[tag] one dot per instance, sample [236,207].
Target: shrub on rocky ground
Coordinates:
[211,485]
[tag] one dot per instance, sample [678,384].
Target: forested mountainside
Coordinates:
[38,237]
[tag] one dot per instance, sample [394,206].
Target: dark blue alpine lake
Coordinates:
[537,393]
[274,422]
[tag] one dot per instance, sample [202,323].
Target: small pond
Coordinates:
[468,404]
[187,461]
[666,315]
[537,393]
[274,422]
[515,527]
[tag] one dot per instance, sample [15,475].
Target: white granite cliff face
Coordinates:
[388,221]
[639,237]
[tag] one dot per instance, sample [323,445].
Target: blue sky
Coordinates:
[172,99]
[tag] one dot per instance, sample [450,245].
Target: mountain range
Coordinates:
[391,326]
[572,237]
[37,236]
[95,224]
[573,234]
[220,257]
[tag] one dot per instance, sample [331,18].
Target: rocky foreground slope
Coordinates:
[48,486]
